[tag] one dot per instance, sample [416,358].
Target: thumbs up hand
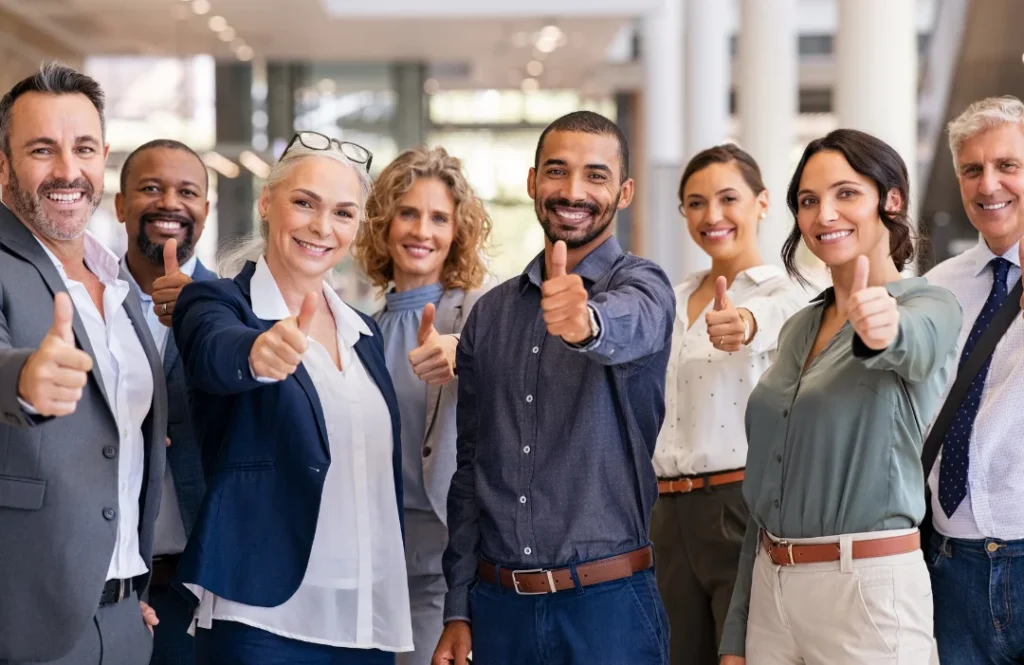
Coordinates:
[433,360]
[728,328]
[53,377]
[167,288]
[564,300]
[872,312]
[276,354]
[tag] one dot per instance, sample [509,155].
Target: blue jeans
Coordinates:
[232,643]
[616,623]
[979,600]
[172,645]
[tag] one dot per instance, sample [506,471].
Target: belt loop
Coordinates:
[707,483]
[846,554]
[497,578]
[575,578]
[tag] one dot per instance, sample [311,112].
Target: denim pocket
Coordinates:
[647,608]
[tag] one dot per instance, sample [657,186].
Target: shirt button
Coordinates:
[778,458]
[239,375]
[536,349]
[527,551]
[785,413]
[992,547]
[529,399]
[526,450]
[109,514]
[109,452]
[522,499]
[124,433]
[427,451]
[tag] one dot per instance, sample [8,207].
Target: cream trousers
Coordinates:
[848,612]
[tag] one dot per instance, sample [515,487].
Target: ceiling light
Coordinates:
[535,68]
[327,86]
[431,86]
[254,163]
[201,7]
[546,45]
[217,23]
[529,85]
[221,164]
[550,33]
[244,53]
[227,34]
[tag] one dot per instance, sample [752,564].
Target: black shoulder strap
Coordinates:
[981,352]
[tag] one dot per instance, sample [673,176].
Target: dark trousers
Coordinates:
[172,645]
[117,635]
[697,540]
[231,643]
[979,600]
[616,623]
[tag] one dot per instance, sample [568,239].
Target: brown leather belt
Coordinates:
[688,484]
[787,554]
[541,580]
[164,569]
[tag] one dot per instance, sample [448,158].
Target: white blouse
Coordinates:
[354,593]
[706,389]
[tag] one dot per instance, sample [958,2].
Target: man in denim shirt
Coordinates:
[561,397]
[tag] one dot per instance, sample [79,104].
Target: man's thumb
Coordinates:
[721,299]
[306,313]
[860,274]
[63,316]
[426,323]
[171,257]
[558,260]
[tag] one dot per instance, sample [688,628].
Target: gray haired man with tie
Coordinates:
[82,398]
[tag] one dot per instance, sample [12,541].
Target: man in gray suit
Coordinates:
[82,397]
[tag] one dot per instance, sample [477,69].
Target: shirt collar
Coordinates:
[895,289]
[188,267]
[757,274]
[981,256]
[101,261]
[591,268]
[269,305]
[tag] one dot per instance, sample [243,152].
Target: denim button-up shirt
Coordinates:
[555,441]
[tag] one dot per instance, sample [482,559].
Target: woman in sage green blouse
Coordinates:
[831,570]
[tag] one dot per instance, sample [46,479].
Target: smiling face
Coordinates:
[421,233]
[53,175]
[838,211]
[164,198]
[312,216]
[990,170]
[722,211]
[577,187]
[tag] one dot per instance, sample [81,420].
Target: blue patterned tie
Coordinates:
[956,446]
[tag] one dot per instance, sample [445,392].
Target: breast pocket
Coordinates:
[21,493]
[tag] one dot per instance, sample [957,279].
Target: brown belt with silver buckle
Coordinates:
[542,580]
[783,553]
[689,484]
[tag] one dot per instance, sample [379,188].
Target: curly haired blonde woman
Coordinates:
[423,246]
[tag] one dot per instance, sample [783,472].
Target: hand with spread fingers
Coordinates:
[276,354]
[872,312]
[564,300]
[728,328]
[53,377]
[433,361]
[167,288]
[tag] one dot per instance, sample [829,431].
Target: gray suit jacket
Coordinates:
[439,440]
[59,476]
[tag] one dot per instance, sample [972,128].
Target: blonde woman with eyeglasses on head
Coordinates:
[294,551]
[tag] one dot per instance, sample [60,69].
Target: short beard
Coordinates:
[28,207]
[544,210]
[153,252]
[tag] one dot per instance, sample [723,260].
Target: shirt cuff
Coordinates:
[594,341]
[27,407]
[456,604]
[261,379]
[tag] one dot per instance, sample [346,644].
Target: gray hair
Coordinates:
[52,78]
[982,116]
[251,248]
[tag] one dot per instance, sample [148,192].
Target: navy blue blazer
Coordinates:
[184,456]
[265,448]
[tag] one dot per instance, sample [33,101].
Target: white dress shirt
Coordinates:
[128,381]
[354,593]
[169,534]
[706,389]
[994,505]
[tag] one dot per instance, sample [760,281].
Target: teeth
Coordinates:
[168,226]
[835,235]
[313,248]
[418,251]
[995,206]
[717,234]
[574,215]
[64,198]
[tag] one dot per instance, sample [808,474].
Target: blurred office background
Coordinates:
[235,78]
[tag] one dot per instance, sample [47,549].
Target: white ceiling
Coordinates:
[486,49]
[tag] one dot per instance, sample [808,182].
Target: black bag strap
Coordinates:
[979,355]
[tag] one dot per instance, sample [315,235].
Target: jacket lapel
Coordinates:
[378,371]
[448,312]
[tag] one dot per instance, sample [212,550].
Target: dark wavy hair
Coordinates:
[727,153]
[872,158]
